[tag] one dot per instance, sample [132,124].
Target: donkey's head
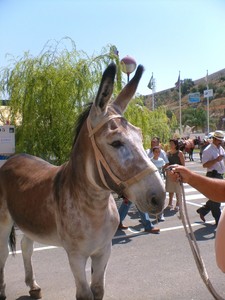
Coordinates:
[122,162]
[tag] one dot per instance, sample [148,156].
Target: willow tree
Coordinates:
[47,93]
[152,123]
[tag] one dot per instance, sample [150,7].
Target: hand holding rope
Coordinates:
[191,237]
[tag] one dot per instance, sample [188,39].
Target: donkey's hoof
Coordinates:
[35,294]
[2,297]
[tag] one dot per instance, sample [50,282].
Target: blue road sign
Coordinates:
[194,97]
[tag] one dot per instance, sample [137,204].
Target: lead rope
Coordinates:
[194,246]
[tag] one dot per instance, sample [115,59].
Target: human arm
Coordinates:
[165,166]
[182,159]
[210,187]
[163,155]
[212,162]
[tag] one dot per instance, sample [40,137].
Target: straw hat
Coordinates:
[219,135]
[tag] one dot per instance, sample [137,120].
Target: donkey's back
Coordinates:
[26,184]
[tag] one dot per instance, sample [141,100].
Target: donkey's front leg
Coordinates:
[4,252]
[27,251]
[77,265]
[99,264]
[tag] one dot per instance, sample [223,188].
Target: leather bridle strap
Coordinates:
[98,126]
[100,160]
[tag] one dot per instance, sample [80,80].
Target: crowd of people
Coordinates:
[161,160]
[212,158]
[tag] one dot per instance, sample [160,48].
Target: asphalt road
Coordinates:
[142,266]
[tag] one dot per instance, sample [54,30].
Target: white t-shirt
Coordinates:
[211,152]
[159,163]
[162,155]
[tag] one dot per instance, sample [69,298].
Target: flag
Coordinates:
[177,84]
[150,84]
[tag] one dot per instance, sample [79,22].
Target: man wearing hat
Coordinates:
[213,159]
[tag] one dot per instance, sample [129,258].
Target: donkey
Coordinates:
[188,146]
[72,205]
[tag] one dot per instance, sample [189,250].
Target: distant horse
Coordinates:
[71,205]
[188,146]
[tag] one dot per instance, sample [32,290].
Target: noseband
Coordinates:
[100,160]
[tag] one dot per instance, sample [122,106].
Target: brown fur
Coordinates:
[28,176]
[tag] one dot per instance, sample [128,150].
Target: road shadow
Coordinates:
[169,212]
[126,236]
[206,232]
[133,213]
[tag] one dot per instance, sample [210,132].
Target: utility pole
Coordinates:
[151,86]
[178,84]
[153,93]
[207,85]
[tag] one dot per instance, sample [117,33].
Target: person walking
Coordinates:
[123,211]
[175,156]
[213,160]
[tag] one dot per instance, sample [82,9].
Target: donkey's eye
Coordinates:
[116,144]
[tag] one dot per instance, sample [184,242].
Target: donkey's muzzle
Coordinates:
[157,203]
[154,203]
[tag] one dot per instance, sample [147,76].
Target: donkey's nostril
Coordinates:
[154,200]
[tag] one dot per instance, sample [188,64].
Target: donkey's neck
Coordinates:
[85,176]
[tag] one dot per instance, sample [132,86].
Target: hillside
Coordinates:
[170,98]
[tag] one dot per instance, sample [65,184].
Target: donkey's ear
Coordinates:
[129,90]
[106,87]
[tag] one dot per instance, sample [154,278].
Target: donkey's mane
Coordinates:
[60,176]
[80,121]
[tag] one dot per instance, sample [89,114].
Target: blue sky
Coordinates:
[166,36]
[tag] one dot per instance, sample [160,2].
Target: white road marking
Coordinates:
[37,249]
[194,197]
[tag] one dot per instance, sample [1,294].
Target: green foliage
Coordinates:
[194,117]
[47,93]
[186,86]
[152,123]
[201,88]
[169,114]
[194,90]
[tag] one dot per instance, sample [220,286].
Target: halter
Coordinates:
[100,160]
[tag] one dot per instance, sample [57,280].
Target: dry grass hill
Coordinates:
[216,81]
